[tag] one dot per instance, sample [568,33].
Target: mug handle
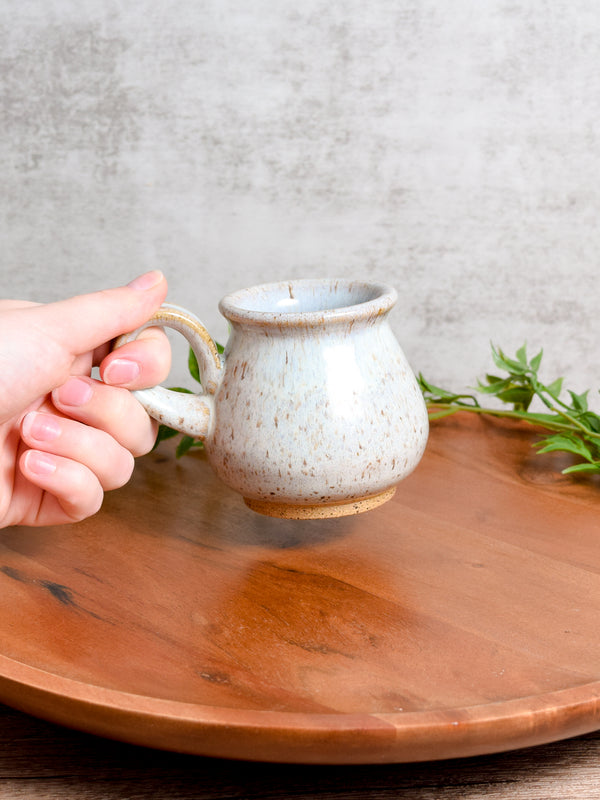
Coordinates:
[191,414]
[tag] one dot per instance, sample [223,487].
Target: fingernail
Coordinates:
[121,371]
[40,463]
[75,392]
[40,427]
[146,281]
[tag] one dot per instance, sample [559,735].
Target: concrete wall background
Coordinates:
[452,149]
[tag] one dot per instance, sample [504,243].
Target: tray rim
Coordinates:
[395,737]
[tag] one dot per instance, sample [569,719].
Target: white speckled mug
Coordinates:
[313,410]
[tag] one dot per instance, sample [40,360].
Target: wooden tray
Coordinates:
[460,618]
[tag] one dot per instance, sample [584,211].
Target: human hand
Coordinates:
[64,437]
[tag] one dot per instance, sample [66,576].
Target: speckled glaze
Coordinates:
[313,411]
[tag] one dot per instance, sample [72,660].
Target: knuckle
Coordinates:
[85,497]
[121,405]
[120,471]
[144,442]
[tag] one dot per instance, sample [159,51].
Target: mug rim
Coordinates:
[381,303]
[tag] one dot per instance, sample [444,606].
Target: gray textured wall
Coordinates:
[450,148]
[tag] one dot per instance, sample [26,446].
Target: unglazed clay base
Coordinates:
[322,511]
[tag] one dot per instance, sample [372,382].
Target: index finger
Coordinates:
[84,323]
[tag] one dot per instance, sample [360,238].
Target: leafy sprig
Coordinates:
[574,427]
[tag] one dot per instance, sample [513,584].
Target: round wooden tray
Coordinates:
[460,618]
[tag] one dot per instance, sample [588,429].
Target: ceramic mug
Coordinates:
[312,410]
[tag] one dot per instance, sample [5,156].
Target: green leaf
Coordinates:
[568,444]
[180,389]
[555,388]
[494,384]
[591,420]
[522,355]
[536,361]
[441,395]
[508,364]
[491,379]
[579,401]
[186,444]
[429,387]
[193,366]
[519,396]
[582,468]
[164,432]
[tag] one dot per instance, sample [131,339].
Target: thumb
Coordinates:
[83,323]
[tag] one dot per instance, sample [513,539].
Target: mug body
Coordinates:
[318,413]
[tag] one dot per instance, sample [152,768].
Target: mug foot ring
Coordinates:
[319,510]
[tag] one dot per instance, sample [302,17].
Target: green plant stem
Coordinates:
[448,409]
[572,421]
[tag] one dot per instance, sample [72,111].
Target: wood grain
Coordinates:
[458,619]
